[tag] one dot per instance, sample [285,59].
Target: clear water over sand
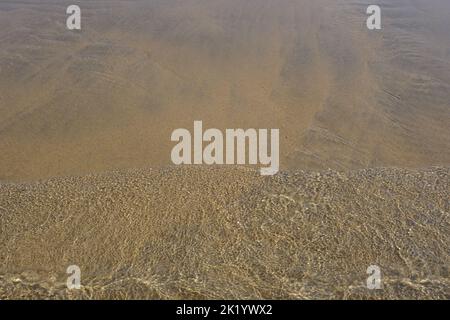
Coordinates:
[85,171]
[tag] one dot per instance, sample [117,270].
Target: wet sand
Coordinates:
[109,96]
[85,174]
[228,233]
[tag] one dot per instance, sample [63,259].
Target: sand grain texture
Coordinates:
[109,96]
[221,233]
[85,114]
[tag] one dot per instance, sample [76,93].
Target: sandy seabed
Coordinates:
[85,171]
[228,233]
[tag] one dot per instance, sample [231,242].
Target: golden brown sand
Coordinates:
[81,113]
[109,97]
[228,233]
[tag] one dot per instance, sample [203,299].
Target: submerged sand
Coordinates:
[108,97]
[211,232]
[83,113]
